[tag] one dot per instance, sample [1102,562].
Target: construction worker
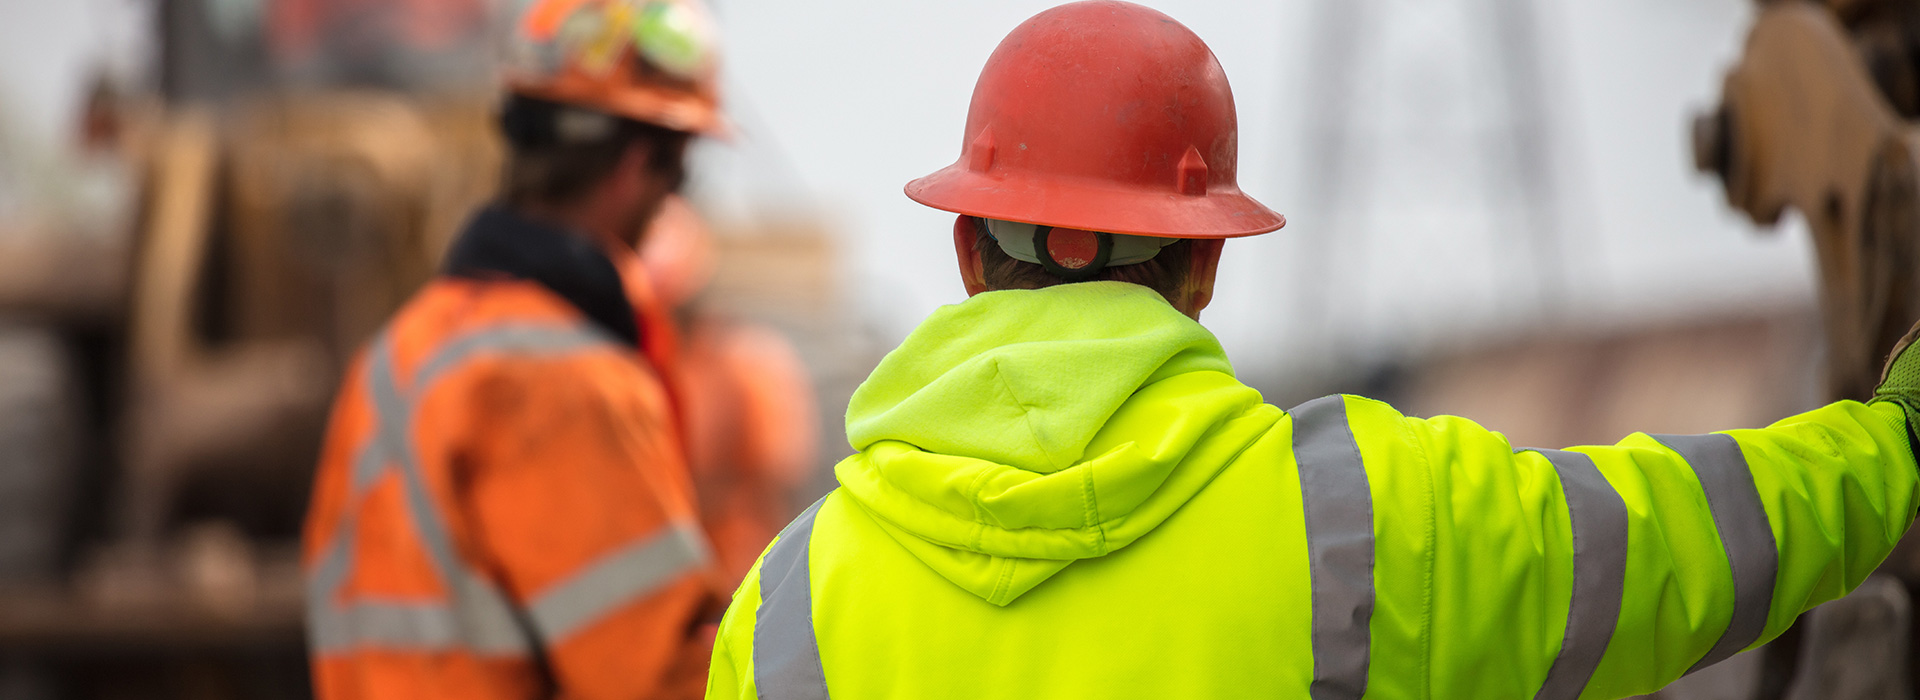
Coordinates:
[746,400]
[1061,491]
[502,508]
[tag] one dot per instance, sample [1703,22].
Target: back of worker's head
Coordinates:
[1163,265]
[1101,133]
[557,154]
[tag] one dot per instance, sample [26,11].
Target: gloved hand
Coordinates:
[1900,383]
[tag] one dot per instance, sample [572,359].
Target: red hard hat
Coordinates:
[1102,116]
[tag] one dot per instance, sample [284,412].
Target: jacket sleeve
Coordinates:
[731,675]
[1603,572]
[580,500]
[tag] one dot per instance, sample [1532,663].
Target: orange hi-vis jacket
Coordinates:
[502,508]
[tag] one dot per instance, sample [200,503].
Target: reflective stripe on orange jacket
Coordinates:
[502,511]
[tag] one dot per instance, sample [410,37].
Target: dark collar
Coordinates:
[501,244]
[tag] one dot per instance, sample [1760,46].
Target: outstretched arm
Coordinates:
[1602,572]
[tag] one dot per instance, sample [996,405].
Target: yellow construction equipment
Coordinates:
[1818,117]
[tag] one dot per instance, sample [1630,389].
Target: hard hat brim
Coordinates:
[1223,212]
[681,111]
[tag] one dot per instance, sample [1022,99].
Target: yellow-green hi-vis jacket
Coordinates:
[1064,493]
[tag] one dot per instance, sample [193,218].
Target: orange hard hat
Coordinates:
[653,61]
[1102,116]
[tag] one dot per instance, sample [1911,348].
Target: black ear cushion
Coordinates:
[528,122]
[1103,251]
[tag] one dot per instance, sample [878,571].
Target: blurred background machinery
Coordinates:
[172,394]
[175,324]
[1815,120]
[1817,117]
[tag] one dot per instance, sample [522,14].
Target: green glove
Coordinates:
[1900,383]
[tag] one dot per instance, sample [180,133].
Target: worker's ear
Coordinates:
[1204,264]
[972,273]
[630,177]
[649,171]
[624,201]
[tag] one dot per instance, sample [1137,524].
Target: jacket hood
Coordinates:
[1023,430]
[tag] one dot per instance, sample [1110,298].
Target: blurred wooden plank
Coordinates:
[210,594]
[51,277]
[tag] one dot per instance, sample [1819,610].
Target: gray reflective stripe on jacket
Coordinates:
[1338,508]
[475,616]
[623,576]
[1745,534]
[786,654]
[1597,517]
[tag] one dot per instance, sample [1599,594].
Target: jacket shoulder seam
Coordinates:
[1432,527]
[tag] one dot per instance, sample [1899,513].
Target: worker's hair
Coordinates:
[1166,273]
[546,165]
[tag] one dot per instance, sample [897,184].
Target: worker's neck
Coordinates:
[586,221]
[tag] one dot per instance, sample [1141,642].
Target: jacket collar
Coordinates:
[500,244]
